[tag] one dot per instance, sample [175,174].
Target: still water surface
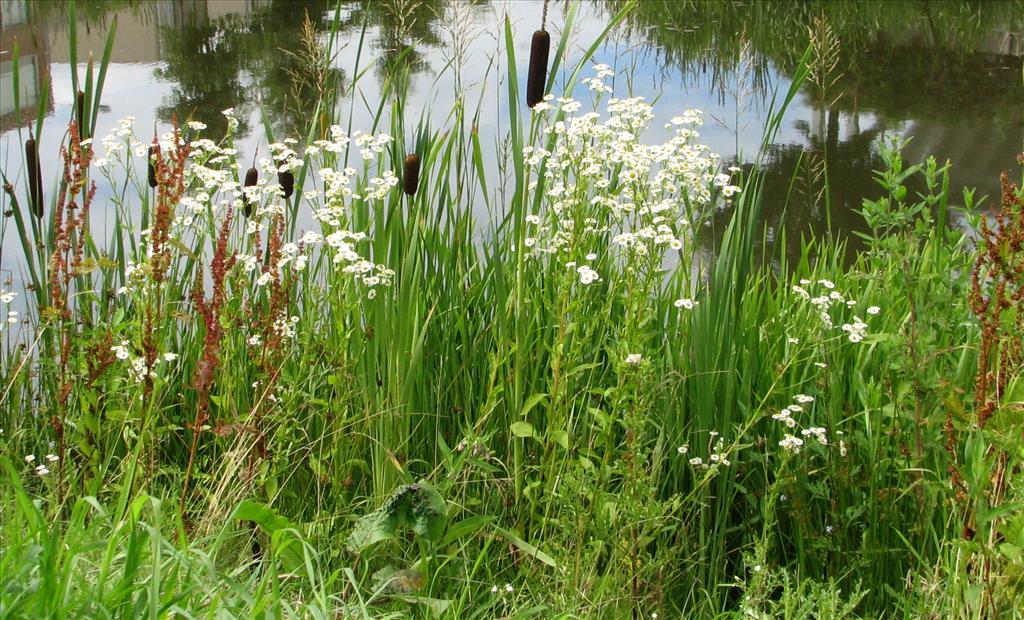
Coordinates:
[946,74]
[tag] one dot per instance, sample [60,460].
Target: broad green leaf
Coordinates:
[522,429]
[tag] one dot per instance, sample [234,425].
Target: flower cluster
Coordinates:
[138,368]
[790,442]
[830,298]
[719,453]
[210,178]
[42,469]
[786,414]
[600,181]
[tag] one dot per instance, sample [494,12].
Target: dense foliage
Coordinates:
[298,390]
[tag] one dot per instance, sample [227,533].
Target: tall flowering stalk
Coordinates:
[997,298]
[210,311]
[71,219]
[169,164]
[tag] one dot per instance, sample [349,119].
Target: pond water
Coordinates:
[946,74]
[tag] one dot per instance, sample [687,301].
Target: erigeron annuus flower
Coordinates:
[587,275]
[634,358]
[873,310]
[785,417]
[791,443]
[684,303]
[856,330]
[817,432]
[121,350]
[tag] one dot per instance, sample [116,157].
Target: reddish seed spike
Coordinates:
[35,177]
[537,76]
[411,175]
[251,177]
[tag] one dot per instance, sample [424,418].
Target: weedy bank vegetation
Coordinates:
[362,374]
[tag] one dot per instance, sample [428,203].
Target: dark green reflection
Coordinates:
[941,71]
[236,61]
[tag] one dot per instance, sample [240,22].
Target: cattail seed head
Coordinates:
[537,76]
[411,176]
[154,152]
[35,177]
[80,109]
[251,177]
[287,182]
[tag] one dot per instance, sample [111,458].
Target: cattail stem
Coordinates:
[251,177]
[35,177]
[411,175]
[537,77]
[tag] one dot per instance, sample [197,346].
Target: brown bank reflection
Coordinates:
[33,63]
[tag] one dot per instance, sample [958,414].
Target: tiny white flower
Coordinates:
[874,310]
[30,458]
[633,358]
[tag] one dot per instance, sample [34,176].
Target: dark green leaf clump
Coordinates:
[416,506]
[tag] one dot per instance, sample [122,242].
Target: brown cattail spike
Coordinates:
[537,77]
[411,176]
[287,182]
[35,177]
[80,109]
[251,177]
[154,152]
